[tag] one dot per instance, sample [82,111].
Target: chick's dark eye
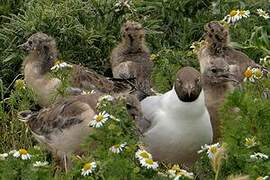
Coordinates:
[30,42]
[214,71]
[126,29]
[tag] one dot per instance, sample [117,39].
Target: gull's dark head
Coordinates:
[188,84]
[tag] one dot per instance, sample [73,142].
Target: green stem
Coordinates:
[217,173]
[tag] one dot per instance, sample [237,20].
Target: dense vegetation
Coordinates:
[87,30]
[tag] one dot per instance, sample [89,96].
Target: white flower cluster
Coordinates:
[21,153]
[177,173]
[258,156]
[252,73]
[236,15]
[263,13]
[123,4]
[145,159]
[59,65]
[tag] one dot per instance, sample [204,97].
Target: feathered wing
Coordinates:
[59,116]
[241,60]
[88,79]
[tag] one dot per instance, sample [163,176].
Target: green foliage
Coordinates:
[251,120]
[167,63]
[86,31]
[14,134]
[249,117]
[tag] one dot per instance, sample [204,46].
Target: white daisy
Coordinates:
[149,163]
[263,14]
[106,97]
[59,65]
[183,173]
[88,168]
[12,152]
[175,172]
[99,120]
[117,148]
[211,149]
[22,153]
[88,92]
[37,148]
[143,154]
[40,164]
[244,13]
[250,142]
[232,17]
[3,156]
[262,178]
[258,156]
[257,73]
[122,4]
[249,75]
[265,61]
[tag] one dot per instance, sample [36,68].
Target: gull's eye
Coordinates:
[198,81]
[214,70]
[178,81]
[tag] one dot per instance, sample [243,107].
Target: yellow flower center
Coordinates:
[149,161]
[87,166]
[57,62]
[22,152]
[213,149]
[180,173]
[153,57]
[258,73]
[242,12]
[99,118]
[259,178]
[20,83]
[248,73]
[145,155]
[117,146]
[233,13]
[176,167]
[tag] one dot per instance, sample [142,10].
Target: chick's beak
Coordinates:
[25,46]
[228,76]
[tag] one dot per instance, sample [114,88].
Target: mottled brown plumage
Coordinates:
[218,77]
[217,45]
[63,126]
[130,59]
[36,66]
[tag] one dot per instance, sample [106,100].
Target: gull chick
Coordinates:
[131,59]
[63,126]
[42,53]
